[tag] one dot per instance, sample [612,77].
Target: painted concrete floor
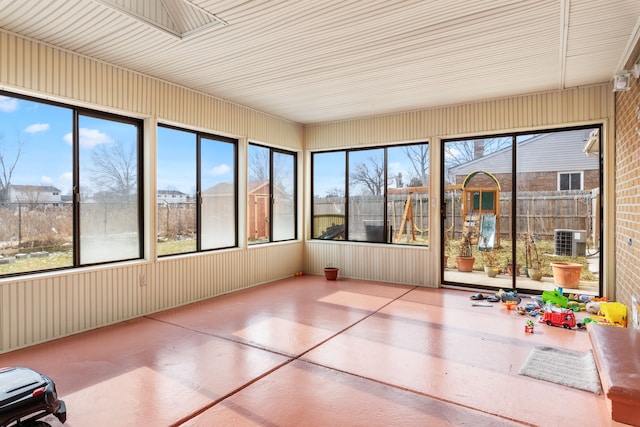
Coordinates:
[309,352]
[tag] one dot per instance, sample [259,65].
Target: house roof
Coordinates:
[546,152]
[35,188]
[312,61]
[170,193]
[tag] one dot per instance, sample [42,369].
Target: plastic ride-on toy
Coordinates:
[27,396]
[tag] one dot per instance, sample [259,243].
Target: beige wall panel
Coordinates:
[559,108]
[38,309]
[384,263]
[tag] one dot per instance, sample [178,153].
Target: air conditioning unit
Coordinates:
[570,242]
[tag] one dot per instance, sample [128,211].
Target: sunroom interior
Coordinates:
[292,101]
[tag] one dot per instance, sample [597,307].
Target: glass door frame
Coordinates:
[446,209]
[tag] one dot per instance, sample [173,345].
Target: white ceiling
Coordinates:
[312,61]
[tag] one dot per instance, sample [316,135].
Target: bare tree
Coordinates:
[8,166]
[460,152]
[115,169]
[335,192]
[419,157]
[260,166]
[370,175]
[258,163]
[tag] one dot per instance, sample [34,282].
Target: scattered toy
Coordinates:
[508,296]
[555,297]
[611,313]
[528,327]
[481,304]
[510,305]
[564,318]
[593,307]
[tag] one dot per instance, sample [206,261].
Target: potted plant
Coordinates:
[465,258]
[490,260]
[531,253]
[331,272]
[489,257]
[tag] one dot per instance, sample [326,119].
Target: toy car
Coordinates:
[27,396]
[564,318]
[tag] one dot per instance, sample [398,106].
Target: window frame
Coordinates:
[387,231]
[272,151]
[76,113]
[570,174]
[199,136]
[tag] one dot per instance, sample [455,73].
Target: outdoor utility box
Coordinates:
[570,242]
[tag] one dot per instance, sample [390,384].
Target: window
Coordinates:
[271,203]
[69,186]
[197,191]
[377,195]
[109,208]
[569,181]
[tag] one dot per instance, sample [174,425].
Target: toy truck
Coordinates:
[564,318]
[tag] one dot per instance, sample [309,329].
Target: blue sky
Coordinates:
[45,132]
[46,159]
[177,161]
[329,168]
[46,155]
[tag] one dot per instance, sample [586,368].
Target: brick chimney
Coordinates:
[478,148]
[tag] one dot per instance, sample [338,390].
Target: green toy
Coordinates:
[555,297]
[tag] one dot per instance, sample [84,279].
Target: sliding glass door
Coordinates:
[527,205]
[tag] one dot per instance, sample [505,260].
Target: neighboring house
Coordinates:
[547,162]
[33,194]
[171,196]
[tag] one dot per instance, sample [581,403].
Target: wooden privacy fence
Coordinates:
[540,213]
[364,210]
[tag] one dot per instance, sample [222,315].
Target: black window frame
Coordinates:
[76,113]
[199,135]
[387,238]
[272,151]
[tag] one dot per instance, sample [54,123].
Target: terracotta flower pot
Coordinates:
[566,274]
[465,264]
[331,273]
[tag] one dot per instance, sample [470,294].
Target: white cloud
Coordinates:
[8,104]
[46,180]
[37,127]
[90,138]
[220,170]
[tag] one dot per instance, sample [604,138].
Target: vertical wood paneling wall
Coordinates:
[46,306]
[420,266]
